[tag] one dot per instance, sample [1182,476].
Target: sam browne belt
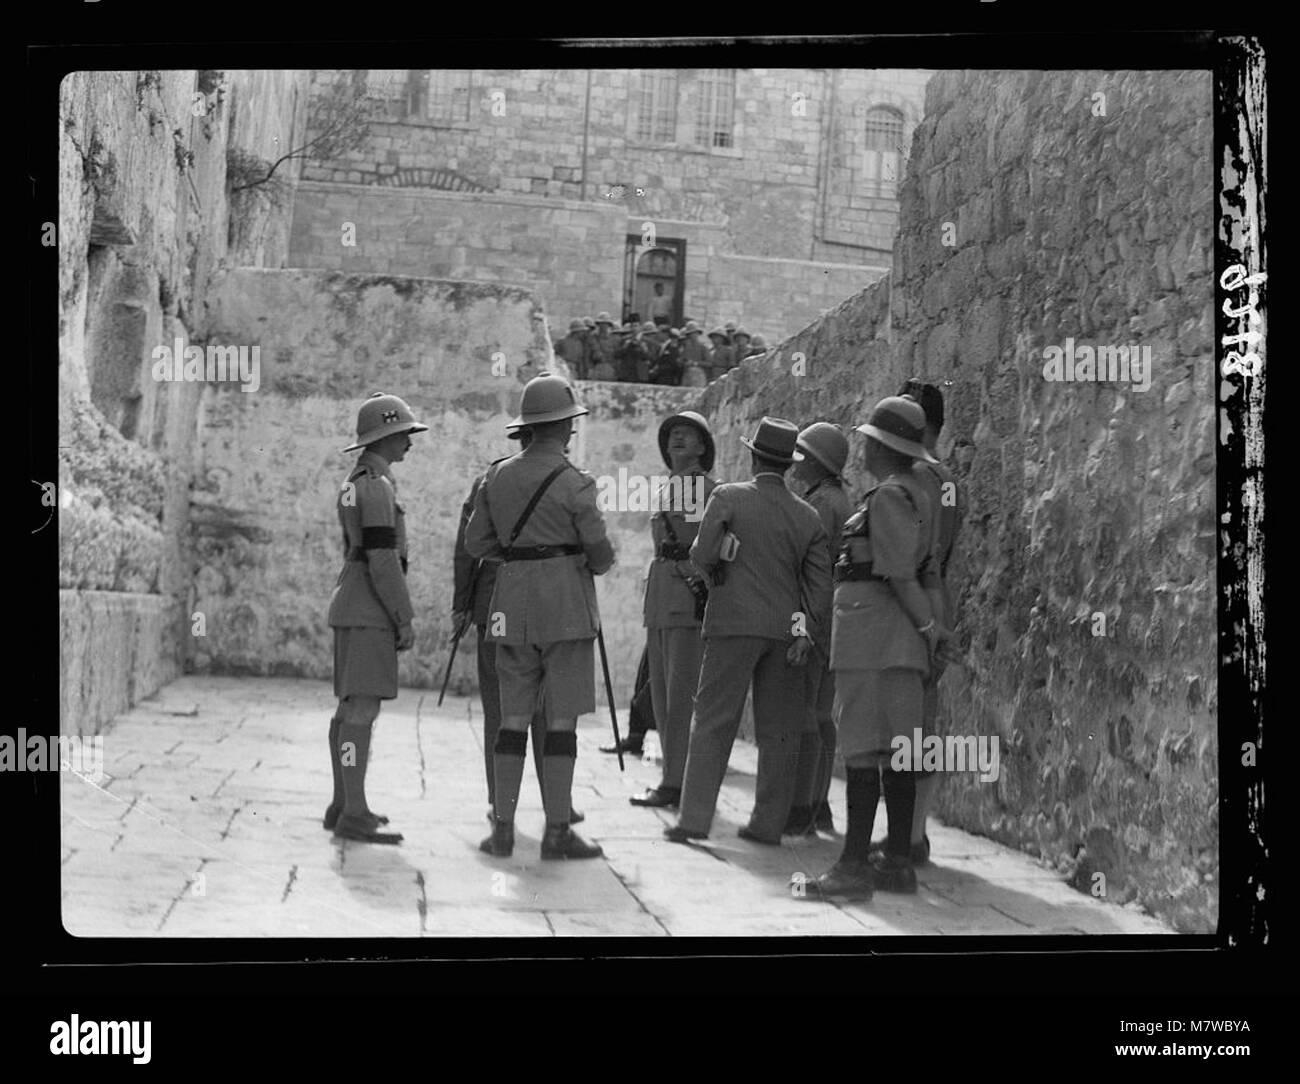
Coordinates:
[540,553]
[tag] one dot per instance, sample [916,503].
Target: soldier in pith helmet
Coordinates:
[370,610]
[537,514]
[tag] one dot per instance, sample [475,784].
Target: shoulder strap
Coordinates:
[532,503]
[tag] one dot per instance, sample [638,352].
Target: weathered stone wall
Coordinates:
[144,221]
[266,535]
[570,254]
[1082,498]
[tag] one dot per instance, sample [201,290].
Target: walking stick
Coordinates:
[609,695]
[455,643]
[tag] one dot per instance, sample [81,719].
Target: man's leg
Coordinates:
[358,714]
[822,819]
[569,692]
[900,706]
[682,650]
[519,673]
[926,782]
[640,716]
[808,760]
[725,673]
[778,727]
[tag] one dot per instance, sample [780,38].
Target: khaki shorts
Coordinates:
[871,708]
[365,662]
[562,672]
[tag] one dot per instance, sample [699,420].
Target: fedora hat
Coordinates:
[899,423]
[690,418]
[775,439]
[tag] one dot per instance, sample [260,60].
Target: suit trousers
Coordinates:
[729,666]
[490,695]
[817,753]
[674,656]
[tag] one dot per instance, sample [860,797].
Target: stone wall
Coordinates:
[144,223]
[570,254]
[1083,499]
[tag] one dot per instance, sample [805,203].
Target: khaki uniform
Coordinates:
[542,615]
[673,641]
[879,658]
[370,599]
[817,752]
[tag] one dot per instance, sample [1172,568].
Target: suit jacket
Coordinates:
[782,567]
[371,589]
[553,599]
[474,579]
[832,504]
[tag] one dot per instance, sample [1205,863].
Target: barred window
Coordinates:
[385,90]
[655,105]
[715,115]
[439,95]
[883,159]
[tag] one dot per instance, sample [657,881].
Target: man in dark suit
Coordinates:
[765,550]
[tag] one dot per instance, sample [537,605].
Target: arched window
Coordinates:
[882,160]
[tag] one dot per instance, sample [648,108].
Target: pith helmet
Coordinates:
[603,318]
[576,325]
[381,416]
[547,398]
[827,444]
[758,342]
[690,418]
[899,423]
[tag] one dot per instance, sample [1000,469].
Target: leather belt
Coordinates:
[540,553]
[669,552]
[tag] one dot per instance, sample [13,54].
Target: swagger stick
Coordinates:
[455,643]
[609,695]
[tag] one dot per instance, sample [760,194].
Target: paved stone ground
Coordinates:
[208,825]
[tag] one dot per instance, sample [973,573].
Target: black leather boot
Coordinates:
[848,878]
[501,843]
[561,841]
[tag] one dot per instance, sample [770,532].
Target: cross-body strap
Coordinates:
[532,503]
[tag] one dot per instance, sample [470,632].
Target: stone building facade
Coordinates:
[764,196]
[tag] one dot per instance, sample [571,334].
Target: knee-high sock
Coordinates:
[559,754]
[354,755]
[863,794]
[508,766]
[900,799]
[336,766]
[926,784]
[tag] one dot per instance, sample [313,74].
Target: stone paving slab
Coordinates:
[208,824]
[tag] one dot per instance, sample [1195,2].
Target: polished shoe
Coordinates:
[501,843]
[626,745]
[659,798]
[799,821]
[360,830]
[333,812]
[920,852]
[852,880]
[678,834]
[894,874]
[823,821]
[561,841]
[748,833]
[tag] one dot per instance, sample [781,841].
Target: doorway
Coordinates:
[663,264]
